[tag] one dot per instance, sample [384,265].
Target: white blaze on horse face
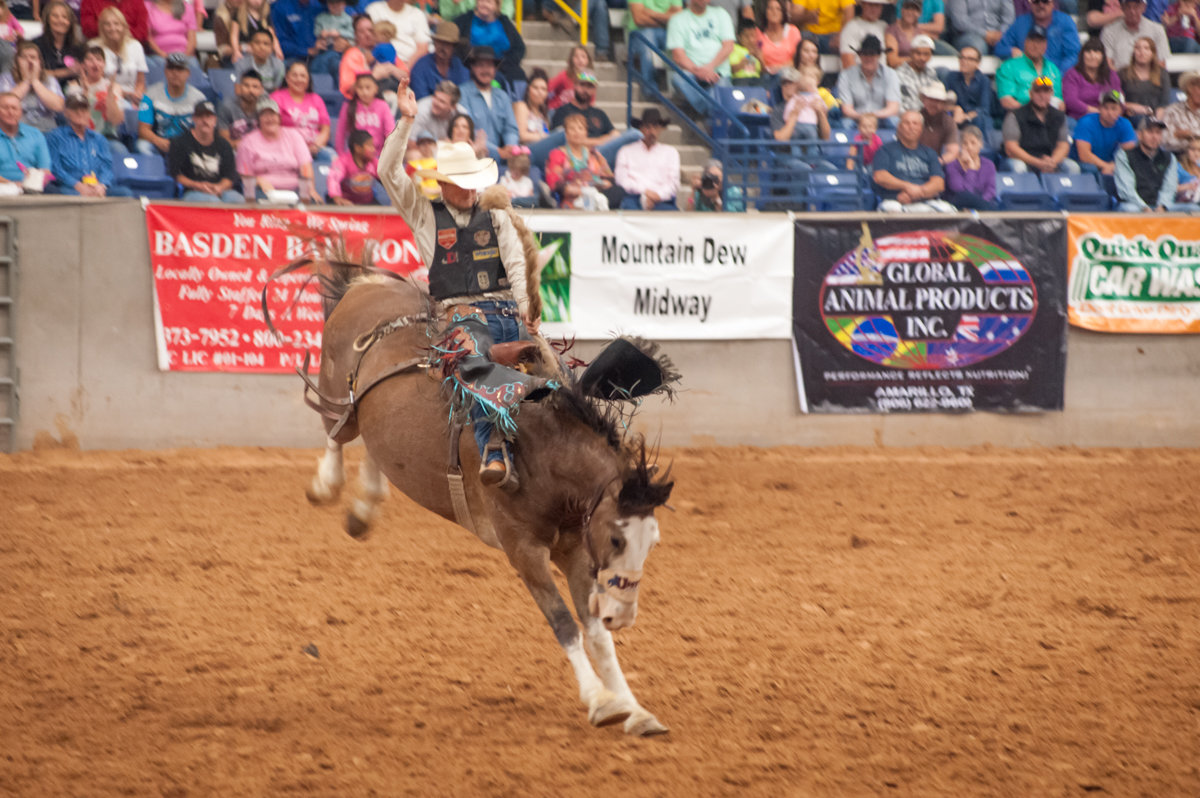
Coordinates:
[614,596]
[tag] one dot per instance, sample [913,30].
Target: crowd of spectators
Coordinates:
[126,74]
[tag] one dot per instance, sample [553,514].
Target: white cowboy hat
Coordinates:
[934,91]
[457,164]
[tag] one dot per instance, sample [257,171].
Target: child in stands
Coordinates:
[353,177]
[516,180]
[745,62]
[867,138]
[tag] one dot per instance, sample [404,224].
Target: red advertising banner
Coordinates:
[210,265]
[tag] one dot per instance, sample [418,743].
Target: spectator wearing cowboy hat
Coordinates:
[1035,135]
[442,64]
[869,22]
[1016,75]
[869,87]
[1098,135]
[648,170]
[1183,118]
[1147,176]
[487,27]
[489,106]
[938,131]
[475,257]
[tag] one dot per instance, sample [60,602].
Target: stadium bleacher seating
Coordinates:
[144,175]
[1023,191]
[1081,192]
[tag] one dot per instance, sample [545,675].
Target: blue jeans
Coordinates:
[228,195]
[504,328]
[657,37]
[326,63]
[1180,44]
[633,202]
[1067,167]
[113,191]
[539,151]
[699,97]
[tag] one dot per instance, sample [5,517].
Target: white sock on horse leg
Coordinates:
[331,474]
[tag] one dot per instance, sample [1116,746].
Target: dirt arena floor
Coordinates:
[828,622]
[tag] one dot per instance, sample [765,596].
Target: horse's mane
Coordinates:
[640,491]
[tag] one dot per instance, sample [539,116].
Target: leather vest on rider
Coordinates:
[466,260]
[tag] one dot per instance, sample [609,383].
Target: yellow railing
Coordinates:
[581,17]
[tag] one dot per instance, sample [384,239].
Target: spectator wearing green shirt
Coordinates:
[1016,75]
[700,40]
[650,18]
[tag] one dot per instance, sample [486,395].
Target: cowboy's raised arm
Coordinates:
[408,200]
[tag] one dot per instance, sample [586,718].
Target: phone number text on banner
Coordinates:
[1135,273]
[209,267]
[902,316]
[665,276]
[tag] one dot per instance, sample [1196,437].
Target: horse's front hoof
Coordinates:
[356,527]
[608,710]
[643,724]
[319,493]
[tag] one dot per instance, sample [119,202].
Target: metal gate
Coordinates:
[9,386]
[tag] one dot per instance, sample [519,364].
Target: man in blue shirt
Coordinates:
[21,146]
[1098,135]
[489,105]
[82,161]
[1062,35]
[908,175]
[294,22]
[442,64]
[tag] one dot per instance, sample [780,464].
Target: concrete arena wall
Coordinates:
[86,353]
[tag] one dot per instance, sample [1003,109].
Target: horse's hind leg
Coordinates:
[530,562]
[331,475]
[600,647]
[372,489]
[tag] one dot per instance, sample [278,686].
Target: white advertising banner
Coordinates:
[666,276]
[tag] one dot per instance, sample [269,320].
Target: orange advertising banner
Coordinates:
[1137,273]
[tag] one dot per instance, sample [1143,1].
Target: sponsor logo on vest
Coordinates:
[486,254]
[450,257]
[484,281]
[482,238]
[447,238]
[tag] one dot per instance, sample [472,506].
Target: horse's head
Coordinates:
[623,531]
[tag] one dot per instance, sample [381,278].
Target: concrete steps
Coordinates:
[547,47]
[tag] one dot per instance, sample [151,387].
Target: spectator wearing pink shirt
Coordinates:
[274,158]
[354,176]
[648,170]
[304,110]
[365,111]
[172,30]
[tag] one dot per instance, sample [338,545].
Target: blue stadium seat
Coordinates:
[840,191]
[155,72]
[886,135]
[1023,191]
[222,81]
[732,98]
[325,88]
[1081,192]
[145,175]
[321,180]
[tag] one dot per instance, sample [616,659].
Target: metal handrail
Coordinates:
[651,89]
[767,173]
[581,17]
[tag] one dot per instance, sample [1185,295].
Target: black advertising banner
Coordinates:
[931,315]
